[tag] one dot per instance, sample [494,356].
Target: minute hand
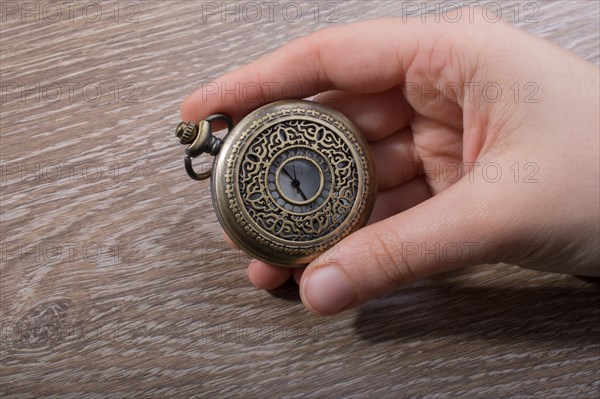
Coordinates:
[293,180]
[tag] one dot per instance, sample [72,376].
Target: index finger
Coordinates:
[354,58]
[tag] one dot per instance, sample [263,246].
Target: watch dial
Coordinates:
[299,180]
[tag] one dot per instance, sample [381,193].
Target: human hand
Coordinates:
[467,174]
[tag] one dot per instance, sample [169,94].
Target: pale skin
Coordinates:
[440,205]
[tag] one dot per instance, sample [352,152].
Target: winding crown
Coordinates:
[186,132]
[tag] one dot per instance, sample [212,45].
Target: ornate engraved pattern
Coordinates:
[299,230]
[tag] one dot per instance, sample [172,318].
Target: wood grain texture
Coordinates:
[114,279]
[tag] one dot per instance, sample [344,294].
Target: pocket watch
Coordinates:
[288,182]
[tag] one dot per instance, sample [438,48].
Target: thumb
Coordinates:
[448,231]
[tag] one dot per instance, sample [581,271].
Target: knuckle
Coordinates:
[389,260]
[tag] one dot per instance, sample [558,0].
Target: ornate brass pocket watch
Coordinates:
[288,182]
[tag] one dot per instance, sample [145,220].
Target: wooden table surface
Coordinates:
[115,281]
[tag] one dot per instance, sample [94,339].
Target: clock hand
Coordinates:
[295,182]
[298,190]
[287,174]
[302,194]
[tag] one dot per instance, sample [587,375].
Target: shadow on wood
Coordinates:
[564,317]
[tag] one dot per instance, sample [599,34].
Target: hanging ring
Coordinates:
[224,117]
[187,161]
[201,140]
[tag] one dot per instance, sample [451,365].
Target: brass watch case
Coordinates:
[248,201]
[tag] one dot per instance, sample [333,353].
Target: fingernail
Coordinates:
[327,290]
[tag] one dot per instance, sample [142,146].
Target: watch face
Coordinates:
[299,180]
[292,179]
